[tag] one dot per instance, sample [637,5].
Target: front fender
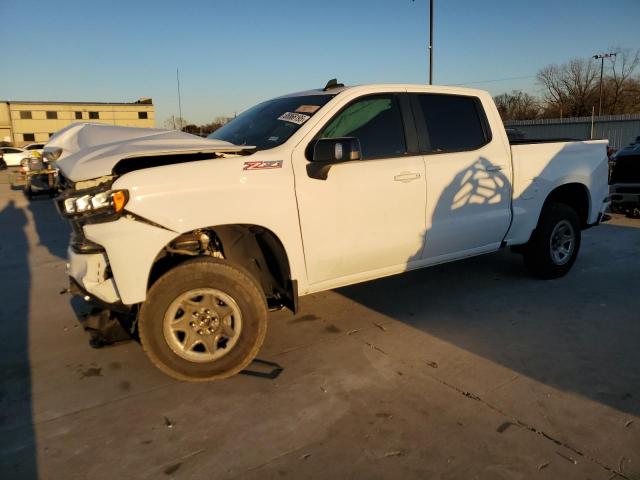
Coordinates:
[215,192]
[131,247]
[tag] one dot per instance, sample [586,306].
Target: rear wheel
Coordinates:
[554,245]
[203,320]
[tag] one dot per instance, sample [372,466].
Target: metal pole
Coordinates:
[601,73]
[179,100]
[593,112]
[430,42]
[601,57]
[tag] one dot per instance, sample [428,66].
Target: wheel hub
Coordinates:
[202,325]
[562,242]
[204,321]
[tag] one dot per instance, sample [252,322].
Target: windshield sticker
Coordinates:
[307,109]
[273,139]
[297,118]
[264,165]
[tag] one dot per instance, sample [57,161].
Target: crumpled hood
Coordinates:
[91,150]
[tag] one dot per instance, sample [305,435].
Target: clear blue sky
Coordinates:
[233,53]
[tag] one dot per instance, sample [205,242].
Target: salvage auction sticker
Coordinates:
[297,118]
[263,165]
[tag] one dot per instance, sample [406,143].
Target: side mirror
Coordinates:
[330,151]
[337,150]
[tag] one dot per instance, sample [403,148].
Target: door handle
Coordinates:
[493,168]
[405,177]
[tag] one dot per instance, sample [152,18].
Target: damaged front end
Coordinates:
[83,203]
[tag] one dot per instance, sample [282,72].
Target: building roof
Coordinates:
[32,102]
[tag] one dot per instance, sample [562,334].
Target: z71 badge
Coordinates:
[265,165]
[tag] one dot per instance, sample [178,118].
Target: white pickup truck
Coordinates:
[198,238]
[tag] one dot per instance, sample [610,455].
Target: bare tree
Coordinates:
[175,123]
[517,105]
[620,86]
[570,88]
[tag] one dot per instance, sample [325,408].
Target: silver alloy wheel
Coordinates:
[202,325]
[562,242]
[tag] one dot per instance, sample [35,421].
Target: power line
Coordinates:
[491,81]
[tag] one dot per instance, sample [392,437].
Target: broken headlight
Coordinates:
[111,201]
[52,153]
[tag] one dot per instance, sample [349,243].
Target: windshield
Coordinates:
[271,123]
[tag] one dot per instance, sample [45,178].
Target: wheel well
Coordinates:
[254,248]
[574,195]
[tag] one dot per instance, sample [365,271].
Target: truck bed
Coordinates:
[541,166]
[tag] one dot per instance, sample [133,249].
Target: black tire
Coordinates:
[538,252]
[194,274]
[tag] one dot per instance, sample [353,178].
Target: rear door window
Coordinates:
[454,123]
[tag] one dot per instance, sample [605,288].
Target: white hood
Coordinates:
[91,150]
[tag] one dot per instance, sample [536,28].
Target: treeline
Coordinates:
[179,123]
[572,89]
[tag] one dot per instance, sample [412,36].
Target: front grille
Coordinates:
[64,184]
[78,242]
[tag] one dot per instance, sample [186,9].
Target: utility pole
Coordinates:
[430,42]
[179,100]
[601,57]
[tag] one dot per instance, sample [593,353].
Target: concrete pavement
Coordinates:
[466,370]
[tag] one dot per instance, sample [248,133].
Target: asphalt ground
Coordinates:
[466,370]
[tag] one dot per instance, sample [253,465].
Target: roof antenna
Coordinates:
[333,83]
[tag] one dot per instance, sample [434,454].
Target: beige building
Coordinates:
[26,122]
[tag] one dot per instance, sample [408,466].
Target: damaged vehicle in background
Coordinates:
[197,239]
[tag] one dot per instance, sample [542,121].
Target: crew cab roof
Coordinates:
[454,90]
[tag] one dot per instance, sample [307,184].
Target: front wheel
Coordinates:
[203,320]
[554,245]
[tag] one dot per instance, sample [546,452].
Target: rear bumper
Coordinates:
[622,193]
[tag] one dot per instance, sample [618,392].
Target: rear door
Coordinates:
[468,177]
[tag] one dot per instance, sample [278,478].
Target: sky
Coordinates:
[234,53]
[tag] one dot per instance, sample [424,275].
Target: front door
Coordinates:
[368,215]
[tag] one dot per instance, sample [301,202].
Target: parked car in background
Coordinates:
[34,147]
[3,165]
[13,155]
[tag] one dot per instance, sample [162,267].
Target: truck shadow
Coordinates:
[18,444]
[53,231]
[578,333]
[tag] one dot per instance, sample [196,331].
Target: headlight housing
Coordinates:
[106,202]
[52,153]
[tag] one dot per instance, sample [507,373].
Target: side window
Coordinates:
[78,115]
[453,122]
[52,115]
[94,115]
[25,115]
[376,122]
[28,137]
